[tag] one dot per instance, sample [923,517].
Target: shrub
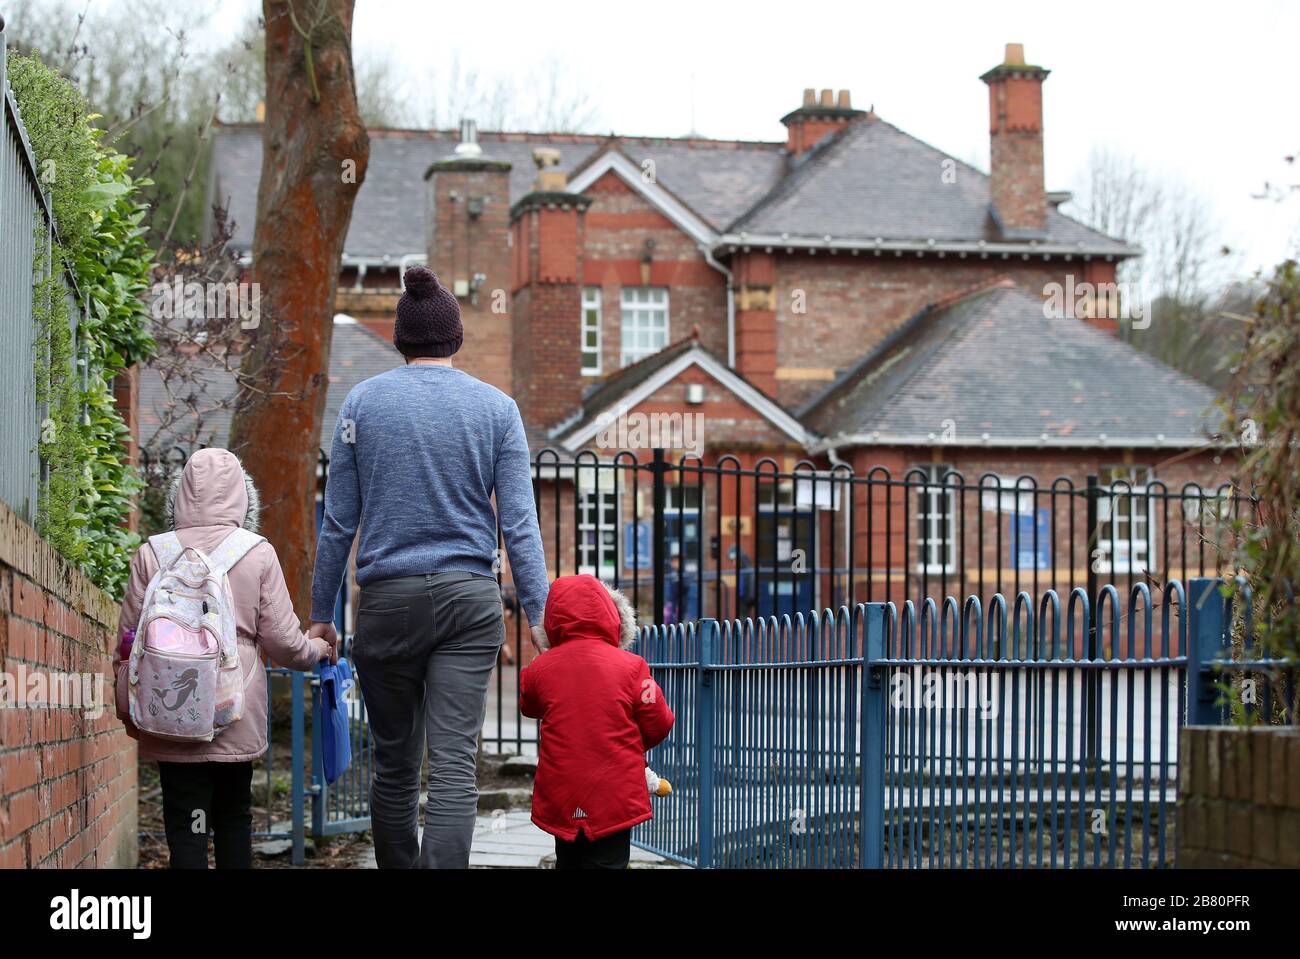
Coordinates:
[101,244]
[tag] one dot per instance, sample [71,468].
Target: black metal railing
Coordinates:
[728,540]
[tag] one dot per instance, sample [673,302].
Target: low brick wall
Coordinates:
[1239,797]
[67,769]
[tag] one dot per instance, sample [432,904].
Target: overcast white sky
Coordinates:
[1200,91]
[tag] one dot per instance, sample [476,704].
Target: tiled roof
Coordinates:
[989,361]
[605,393]
[993,368]
[357,354]
[873,180]
[870,180]
[718,179]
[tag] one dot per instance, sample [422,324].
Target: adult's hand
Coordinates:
[326,632]
[538,637]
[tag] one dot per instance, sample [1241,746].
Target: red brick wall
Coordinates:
[547,278]
[559,239]
[552,387]
[618,224]
[459,247]
[804,133]
[889,557]
[851,303]
[126,397]
[756,348]
[67,777]
[730,428]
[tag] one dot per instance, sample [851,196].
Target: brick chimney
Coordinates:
[1016,145]
[468,211]
[816,118]
[547,238]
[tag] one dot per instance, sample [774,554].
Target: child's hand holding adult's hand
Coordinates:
[325,634]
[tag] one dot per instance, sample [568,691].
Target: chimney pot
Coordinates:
[1015,55]
[544,157]
[821,114]
[468,145]
[550,179]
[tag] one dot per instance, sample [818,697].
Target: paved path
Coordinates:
[509,840]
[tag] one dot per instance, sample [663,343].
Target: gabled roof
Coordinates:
[357,354]
[870,184]
[635,383]
[990,369]
[643,179]
[717,179]
[871,180]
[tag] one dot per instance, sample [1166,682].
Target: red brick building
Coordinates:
[849,296]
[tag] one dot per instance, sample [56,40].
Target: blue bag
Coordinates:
[332,715]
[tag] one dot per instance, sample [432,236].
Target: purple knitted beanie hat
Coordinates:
[428,317]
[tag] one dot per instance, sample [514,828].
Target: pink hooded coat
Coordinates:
[211,497]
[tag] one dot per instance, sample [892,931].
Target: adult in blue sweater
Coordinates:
[418,454]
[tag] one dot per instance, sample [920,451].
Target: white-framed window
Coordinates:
[590,331]
[597,524]
[936,522]
[1126,516]
[643,321]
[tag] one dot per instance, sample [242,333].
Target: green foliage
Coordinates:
[64,142]
[1263,414]
[102,243]
[61,520]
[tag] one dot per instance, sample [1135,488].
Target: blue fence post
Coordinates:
[319,790]
[705,720]
[871,805]
[1205,642]
[297,784]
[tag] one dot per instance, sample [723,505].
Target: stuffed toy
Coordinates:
[657,786]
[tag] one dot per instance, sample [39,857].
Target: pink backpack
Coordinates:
[184,679]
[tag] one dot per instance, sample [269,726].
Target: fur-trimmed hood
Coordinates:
[213,490]
[584,607]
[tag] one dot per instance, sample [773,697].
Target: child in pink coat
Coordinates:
[209,784]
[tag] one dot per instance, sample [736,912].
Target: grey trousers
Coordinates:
[424,650]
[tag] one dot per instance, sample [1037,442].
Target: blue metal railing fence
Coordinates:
[949,735]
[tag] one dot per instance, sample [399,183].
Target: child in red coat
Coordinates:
[601,711]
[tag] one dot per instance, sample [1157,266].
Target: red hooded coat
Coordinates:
[600,710]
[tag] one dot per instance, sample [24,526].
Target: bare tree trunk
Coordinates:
[314,156]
